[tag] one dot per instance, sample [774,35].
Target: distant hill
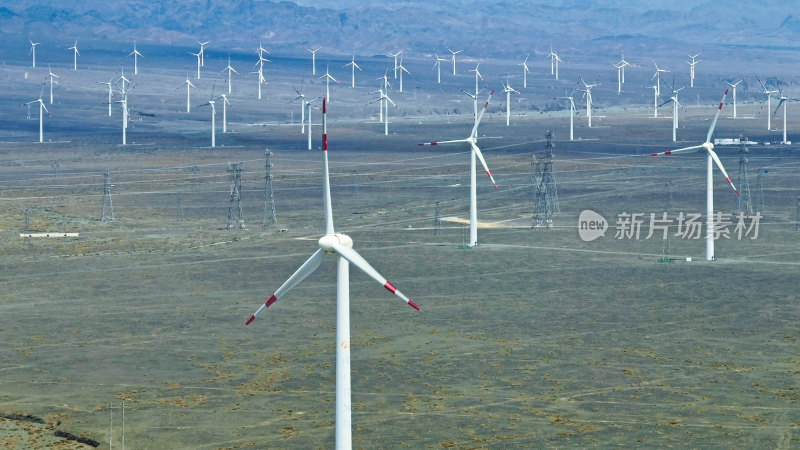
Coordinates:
[501,29]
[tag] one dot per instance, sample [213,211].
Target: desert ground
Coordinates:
[534,338]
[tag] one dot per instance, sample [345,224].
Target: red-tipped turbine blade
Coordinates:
[456,141]
[714,123]
[304,271]
[684,149]
[480,115]
[355,259]
[719,164]
[483,161]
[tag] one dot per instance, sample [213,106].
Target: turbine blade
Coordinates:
[719,164]
[778,107]
[714,123]
[355,259]
[483,162]
[326,180]
[304,271]
[480,115]
[685,149]
[444,142]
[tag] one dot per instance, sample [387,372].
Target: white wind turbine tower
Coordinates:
[589,103]
[328,77]
[619,67]
[525,72]
[474,98]
[354,67]
[303,103]
[782,101]
[655,101]
[477,76]
[225,104]
[385,88]
[691,68]
[711,160]
[52,77]
[75,55]
[33,51]
[438,66]
[454,58]
[554,60]
[340,245]
[733,85]
[769,103]
[657,76]
[313,60]
[402,69]
[571,114]
[472,141]
[508,90]
[124,103]
[198,55]
[395,55]
[230,70]
[675,105]
[136,55]
[123,79]
[261,60]
[202,53]
[384,99]
[42,110]
[110,84]
[213,120]
[624,64]
[189,87]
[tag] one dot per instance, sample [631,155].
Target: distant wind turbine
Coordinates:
[52,76]
[769,103]
[396,55]
[198,55]
[75,56]
[202,53]
[313,60]
[402,69]
[587,89]
[42,109]
[33,51]
[525,72]
[136,55]
[508,90]
[110,84]
[354,67]
[230,70]
[189,87]
[733,85]
[438,66]
[691,68]
[454,58]
[328,77]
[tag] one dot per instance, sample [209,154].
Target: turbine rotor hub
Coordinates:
[328,241]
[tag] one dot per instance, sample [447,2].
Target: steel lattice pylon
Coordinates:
[744,202]
[107,207]
[235,218]
[269,198]
[545,194]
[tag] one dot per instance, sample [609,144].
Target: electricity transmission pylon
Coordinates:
[107,207]
[269,197]
[744,201]
[235,201]
[546,195]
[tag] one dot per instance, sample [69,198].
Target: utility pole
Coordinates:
[743,201]
[235,201]
[107,207]
[546,195]
[437,220]
[180,216]
[269,198]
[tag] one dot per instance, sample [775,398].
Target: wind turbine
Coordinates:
[675,105]
[199,56]
[230,71]
[384,97]
[438,66]
[624,64]
[769,103]
[402,69]
[33,51]
[733,85]
[189,87]
[75,55]
[691,68]
[385,88]
[782,101]
[124,103]
[477,76]
[711,160]
[213,120]
[508,90]
[313,60]
[657,76]
[354,67]
[110,84]
[655,101]
[136,55]
[571,114]
[454,58]
[328,77]
[261,60]
[589,103]
[303,102]
[52,76]
[225,104]
[396,55]
[472,141]
[42,109]
[202,53]
[342,246]
[123,79]
[474,98]
[620,67]
[554,60]
[525,72]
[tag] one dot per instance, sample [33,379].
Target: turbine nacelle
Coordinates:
[329,242]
